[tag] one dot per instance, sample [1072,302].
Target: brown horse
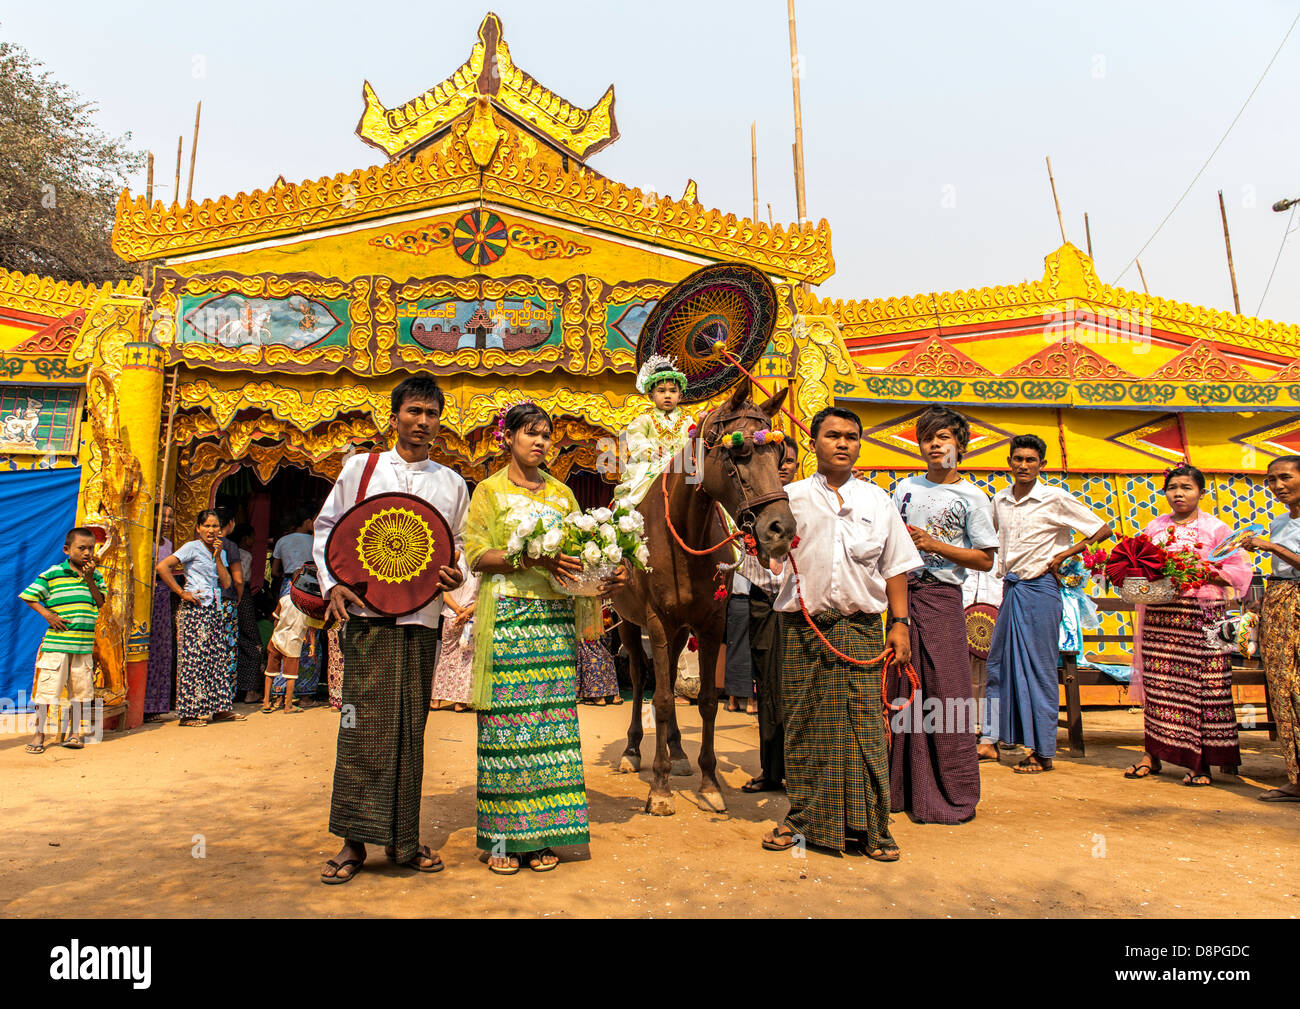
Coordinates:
[677,595]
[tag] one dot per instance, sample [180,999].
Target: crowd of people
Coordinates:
[876,611]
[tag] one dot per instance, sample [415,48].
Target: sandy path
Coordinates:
[112,830]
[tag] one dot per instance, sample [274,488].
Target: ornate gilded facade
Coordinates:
[272,326]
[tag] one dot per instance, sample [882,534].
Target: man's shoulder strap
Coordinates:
[372,460]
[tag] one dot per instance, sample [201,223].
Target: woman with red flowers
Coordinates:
[1183,682]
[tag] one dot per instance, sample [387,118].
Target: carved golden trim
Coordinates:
[489,73]
[520,176]
[1069,284]
[29,292]
[304,409]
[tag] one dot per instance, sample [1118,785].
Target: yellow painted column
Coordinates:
[140,389]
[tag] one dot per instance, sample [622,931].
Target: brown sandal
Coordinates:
[780,839]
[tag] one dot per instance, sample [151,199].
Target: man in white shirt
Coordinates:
[933,768]
[849,568]
[388,662]
[1036,525]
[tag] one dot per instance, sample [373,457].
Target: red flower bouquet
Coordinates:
[1154,571]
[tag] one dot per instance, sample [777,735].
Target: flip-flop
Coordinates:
[889,854]
[1136,771]
[758,785]
[984,756]
[424,851]
[73,743]
[1272,795]
[35,747]
[509,869]
[192,723]
[537,865]
[338,867]
[294,710]
[268,710]
[772,840]
[1190,781]
[233,716]
[1034,765]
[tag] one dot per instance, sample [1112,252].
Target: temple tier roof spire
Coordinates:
[489,74]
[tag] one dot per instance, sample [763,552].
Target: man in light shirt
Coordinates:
[852,560]
[1036,525]
[389,661]
[933,767]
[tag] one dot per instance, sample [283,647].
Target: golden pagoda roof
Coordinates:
[30,292]
[1069,284]
[481,158]
[490,73]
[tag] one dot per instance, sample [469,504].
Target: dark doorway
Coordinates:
[269,508]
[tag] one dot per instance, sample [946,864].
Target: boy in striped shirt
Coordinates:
[68,596]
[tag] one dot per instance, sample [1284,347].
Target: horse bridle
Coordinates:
[749,502]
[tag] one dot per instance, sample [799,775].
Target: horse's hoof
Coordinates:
[629,765]
[714,801]
[660,805]
[681,767]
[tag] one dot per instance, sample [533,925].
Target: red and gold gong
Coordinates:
[388,549]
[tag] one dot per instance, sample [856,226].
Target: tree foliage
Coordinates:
[59,177]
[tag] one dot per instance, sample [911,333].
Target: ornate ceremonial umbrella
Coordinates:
[716,323]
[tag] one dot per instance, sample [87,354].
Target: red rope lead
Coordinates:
[668,519]
[887,655]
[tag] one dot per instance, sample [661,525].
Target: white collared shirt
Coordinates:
[440,486]
[1039,526]
[846,551]
[750,572]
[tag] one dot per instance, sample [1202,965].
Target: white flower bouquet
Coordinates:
[602,538]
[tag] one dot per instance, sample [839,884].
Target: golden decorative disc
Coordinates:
[395,545]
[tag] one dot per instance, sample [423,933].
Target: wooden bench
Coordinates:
[1245,673]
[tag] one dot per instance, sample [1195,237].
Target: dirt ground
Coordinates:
[116,830]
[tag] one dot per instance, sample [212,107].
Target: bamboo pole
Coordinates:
[1087,230]
[1227,244]
[176,188]
[189,189]
[753,157]
[800,202]
[771,221]
[148,182]
[1059,219]
[166,459]
[1145,289]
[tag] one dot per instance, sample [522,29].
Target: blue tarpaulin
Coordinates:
[37,508]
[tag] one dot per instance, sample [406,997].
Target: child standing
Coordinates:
[283,651]
[68,596]
[657,435]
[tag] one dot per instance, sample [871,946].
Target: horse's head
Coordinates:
[744,477]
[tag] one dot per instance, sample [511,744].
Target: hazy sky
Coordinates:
[925,125]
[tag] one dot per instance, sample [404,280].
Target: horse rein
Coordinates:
[749,503]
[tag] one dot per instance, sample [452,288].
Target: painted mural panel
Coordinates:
[623,322]
[509,324]
[39,419]
[234,320]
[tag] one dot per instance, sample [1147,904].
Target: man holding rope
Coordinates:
[848,568]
